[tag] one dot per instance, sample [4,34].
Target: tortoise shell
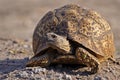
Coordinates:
[82,26]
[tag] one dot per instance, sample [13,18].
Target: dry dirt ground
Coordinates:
[17,22]
[15,54]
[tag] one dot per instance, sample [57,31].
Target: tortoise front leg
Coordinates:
[88,59]
[42,60]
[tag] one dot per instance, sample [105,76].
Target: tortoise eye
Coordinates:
[63,14]
[53,36]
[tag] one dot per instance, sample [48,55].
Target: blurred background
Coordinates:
[18,18]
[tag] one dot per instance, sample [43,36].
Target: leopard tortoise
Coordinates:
[72,34]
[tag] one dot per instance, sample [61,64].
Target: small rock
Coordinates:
[68,77]
[11,52]
[52,71]
[49,76]
[111,69]
[106,70]
[44,70]
[42,79]
[97,78]
[31,74]
[23,74]
[38,70]
[78,77]
[25,46]
[58,76]
[104,78]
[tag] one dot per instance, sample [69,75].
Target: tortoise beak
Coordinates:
[58,42]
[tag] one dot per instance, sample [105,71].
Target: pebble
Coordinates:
[110,69]
[68,77]
[104,78]
[42,78]
[26,46]
[24,74]
[97,78]
[48,76]
[38,70]
[59,76]
[31,74]
[78,77]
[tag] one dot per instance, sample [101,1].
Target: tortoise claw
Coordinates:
[94,69]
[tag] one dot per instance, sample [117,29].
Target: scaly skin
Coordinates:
[88,59]
[43,60]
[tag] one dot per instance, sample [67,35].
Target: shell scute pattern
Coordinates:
[46,24]
[99,19]
[82,36]
[90,28]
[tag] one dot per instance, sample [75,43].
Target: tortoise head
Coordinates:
[58,42]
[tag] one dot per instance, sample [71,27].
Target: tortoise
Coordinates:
[72,34]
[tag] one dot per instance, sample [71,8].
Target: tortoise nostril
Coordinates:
[53,36]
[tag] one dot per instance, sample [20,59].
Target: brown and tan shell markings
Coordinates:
[84,26]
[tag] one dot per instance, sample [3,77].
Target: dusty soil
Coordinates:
[17,22]
[15,54]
